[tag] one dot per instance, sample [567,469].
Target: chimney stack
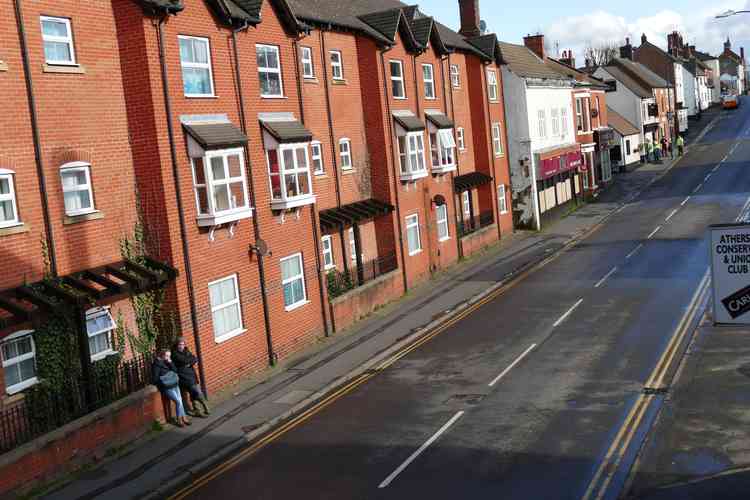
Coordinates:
[535,43]
[626,51]
[568,58]
[643,39]
[469,11]
[742,53]
[727,45]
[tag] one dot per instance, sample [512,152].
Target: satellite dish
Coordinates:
[483,26]
[260,247]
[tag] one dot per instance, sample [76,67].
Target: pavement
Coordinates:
[585,359]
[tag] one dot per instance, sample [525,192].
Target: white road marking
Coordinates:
[601,281]
[707,177]
[654,232]
[698,188]
[671,215]
[724,159]
[414,455]
[635,251]
[715,168]
[565,316]
[685,201]
[512,365]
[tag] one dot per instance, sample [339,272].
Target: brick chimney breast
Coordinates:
[535,43]
[469,11]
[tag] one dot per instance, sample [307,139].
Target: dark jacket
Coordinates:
[159,368]
[184,362]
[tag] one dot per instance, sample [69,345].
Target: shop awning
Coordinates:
[439,120]
[31,302]
[651,127]
[353,213]
[410,123]
[215,135]
[468,181]
[290,131]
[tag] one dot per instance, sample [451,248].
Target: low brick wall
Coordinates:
[360,302]
[479,240]
[66,449]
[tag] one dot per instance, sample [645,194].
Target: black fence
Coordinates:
[42,411]
[341,282]
[470,225]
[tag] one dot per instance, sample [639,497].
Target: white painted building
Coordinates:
[626,152]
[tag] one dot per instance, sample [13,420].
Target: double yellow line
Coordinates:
[656,381]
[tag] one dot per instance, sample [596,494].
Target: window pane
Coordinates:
[272,58]
[27,369]
[301,158]
[4,186]
[6,211]
[196,80]
[302,184]
[290,180]
[57,51]
[273,161]
[214,292]
[99,343]
[13,375]
[54,28]
[235,166]
[202,200]
[288,295]
[200,173]
[77,200]
[288,159]
[270,84]
[228,292]
[186,51]
[221,198]
[201,51]
[396,88]
[395,69]
[290,268]
[217,168]
[298,290]
[72,179]
[9,350]
[237,190]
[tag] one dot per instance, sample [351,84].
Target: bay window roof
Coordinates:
[288,131]
[439,120]
[409,122]
[215,135]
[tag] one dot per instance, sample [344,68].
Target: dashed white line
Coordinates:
[512,365]
[654,232]
[635,251]
[671,215]
[685,201]
[698,188]
[724,159]
[715,168]
[565,316]
[414,455]
[601,281]
[707,177]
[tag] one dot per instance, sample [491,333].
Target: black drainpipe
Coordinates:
[396,168]
[313,211]
[456,200]
[49,236]
[493,197]
[178,199]
[256,225]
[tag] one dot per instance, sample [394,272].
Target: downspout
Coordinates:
[394,160]
[329,114]
[49,235]
[178,199]
[314,211]
[459,244]
[485,91]
[256,224]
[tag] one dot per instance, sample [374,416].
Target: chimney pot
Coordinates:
[470,20]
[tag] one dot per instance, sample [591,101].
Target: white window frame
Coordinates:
[288,202]
[446,155]
[109,332]
[270,70]
[492,90]
[13,389]
[215,217]
[326,243]
[563,122]
[410,157]
[583,115]
[460,140]
[345,153]
[352,245]
[497,140]
[455,72]
[234,302]
[411,222]
[399,78]
[542,123]
[306,58]
[59,39]
[502,200]
[466,203]
[441,215]
[300,276]
[208,65]
[429,83]
[555,117]
[316,155]
[9,175]
[78,166]
[337,65]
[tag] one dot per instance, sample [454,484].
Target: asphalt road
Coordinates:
[569,349]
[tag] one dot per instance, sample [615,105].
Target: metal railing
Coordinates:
[340,282]
[469,225]
[44,410]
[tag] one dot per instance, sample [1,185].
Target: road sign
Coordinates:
[730,270]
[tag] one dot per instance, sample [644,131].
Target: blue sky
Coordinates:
[576,24]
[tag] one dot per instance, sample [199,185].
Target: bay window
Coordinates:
[19,361]
[289,172]
[221,187]
[8,203]
[411,155]
[443,149]
[76,185]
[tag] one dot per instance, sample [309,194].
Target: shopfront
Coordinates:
[558,180]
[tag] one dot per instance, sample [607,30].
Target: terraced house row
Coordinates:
[252,175]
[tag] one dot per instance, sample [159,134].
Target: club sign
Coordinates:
[730,269]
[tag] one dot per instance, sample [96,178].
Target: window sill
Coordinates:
[103,355]
[444,170]
[293,203]
[413,176]
[501,155]
[201,96]
[400,98]
[296,306]
[14,229]
[3,66]
[441,240]
[329,268]
[73,69]
[273,96]
[229,336]
[347,171]
[339,81]
[320,175]
[77,219]
[215,220]
[21,387]
[310,79]
[412,254]
[504,212]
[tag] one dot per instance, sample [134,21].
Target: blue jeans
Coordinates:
[174,395]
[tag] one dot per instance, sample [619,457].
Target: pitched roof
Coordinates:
[636,77]
[704,56]
[237,10]
[579,76]
[524,63]
[619,123]
[661,51]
